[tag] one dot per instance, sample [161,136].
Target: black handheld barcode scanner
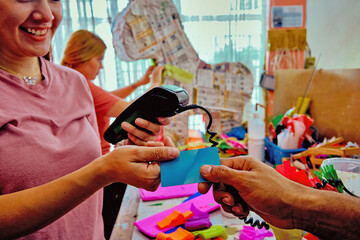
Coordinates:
[163,101]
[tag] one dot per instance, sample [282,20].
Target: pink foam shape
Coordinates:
[205,203]
[251,233]
[169,192]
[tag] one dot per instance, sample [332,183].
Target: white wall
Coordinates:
[333,30]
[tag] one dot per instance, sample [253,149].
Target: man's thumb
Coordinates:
[217,174]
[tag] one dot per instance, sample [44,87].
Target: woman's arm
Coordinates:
[26,211]
[117,108]
[126,91]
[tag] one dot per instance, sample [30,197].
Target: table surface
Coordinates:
[133,209]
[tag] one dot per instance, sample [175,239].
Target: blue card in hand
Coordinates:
[185,169]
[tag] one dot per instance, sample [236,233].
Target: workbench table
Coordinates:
[133,209]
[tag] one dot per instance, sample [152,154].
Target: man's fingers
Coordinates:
[220,173]
[221,196]
[204,187]
[239,163]
[240,210]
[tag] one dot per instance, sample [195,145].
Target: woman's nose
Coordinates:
[43,11]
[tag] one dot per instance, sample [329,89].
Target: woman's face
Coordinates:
[27,26]
[91,68]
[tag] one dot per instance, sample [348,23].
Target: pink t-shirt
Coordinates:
[47,131]
[103,102]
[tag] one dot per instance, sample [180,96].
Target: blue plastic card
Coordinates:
[185,169]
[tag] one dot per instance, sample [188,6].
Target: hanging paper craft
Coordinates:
[153,30]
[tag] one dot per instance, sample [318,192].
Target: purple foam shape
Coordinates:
[197,213]
[197,224]
[199,220]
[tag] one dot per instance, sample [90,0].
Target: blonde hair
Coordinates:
[81,47]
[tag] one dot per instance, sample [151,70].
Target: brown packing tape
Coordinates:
[291,39]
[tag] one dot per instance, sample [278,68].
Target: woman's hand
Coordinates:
[138,166]
[243,183]
[146,78]
[139,137]
[157,76]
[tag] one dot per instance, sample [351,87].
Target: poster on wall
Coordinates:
[287,16]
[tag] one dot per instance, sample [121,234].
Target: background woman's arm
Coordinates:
[126,91]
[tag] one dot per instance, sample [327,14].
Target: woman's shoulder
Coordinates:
[58,69]
[65,77]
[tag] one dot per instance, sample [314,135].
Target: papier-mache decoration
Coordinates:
[153,30]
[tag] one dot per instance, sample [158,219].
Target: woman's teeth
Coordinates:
[35,32]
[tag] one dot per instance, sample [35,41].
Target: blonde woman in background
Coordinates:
[84,52]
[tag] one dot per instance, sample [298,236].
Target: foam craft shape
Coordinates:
[198,214]
[251,233]
[170,220]
[199,220]
[169,192]
[179,234]
[212,232]
[176,218]
[205,203]
[197,224]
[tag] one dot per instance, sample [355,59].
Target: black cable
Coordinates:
[255,223]
[259,222]
[212,134]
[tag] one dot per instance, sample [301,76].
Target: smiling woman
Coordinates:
[25,33]
[51,169]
